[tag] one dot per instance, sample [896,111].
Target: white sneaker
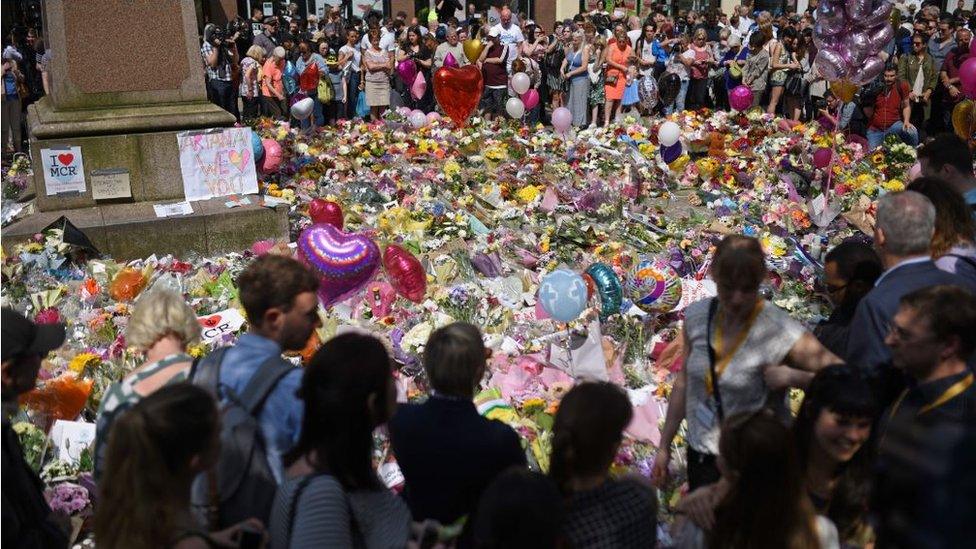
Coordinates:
[592,125]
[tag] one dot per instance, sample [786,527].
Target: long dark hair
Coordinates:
[587,431]
[338,422]
[766,506]
[148,466]
[848,392]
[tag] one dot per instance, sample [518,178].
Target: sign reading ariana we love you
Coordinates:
[219,324]
[217,163]
[63,170]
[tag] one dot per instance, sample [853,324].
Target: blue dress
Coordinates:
[631,96]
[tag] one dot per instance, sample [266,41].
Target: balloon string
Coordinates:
[833,153]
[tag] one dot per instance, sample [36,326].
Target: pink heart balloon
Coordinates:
[405,272]
[450,61]
[407,69]
[530,99]
[344,262]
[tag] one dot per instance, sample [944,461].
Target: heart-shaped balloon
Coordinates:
[325,211]
[344,262]
[405,273]
[458,91]
[472,49]
[407,69]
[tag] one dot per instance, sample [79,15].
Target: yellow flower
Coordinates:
[893,185]
[534,404]
[196,351]
[82,361]
[452,169]
[528,193]
[544,244]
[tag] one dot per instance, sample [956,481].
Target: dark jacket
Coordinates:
[26,515]
[872,319]
[448,454]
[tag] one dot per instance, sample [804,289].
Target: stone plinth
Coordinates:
[131,231]
[126,77]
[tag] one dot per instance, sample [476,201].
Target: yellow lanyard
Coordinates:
[952,392]
[723,358]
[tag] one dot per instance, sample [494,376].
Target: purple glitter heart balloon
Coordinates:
[343,261]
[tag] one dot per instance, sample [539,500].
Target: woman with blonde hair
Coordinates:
[573,70]
[251,83]
[161,328]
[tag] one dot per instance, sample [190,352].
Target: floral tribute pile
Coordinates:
[488,211]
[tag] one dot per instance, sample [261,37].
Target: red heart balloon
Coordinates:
[458,91]
[405,272]
[325,211]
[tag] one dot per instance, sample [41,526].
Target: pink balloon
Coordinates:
[914,172]
[822,157]
[419,87]
[272,156]
[858,47]
[871,69]
[879,37]
[432,116]
[530,99]
[450,62]
[740,98]
[831,65]
[344,262]
[407,69]
[859,9]
[967,75]
[562,119]
[404,111]
[880,15]
[405,272]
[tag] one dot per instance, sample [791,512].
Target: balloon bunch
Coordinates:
[653,286]
[964,113]
[527,98]
[412,78]
[849,36]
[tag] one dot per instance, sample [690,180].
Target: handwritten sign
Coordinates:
[71,438]
[110,184]
[695,290]
[64,171]
[225,322]
[217,163]
[170,210]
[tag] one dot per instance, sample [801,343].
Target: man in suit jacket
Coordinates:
[447,451]
[902,236]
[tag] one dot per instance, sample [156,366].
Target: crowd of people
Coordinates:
[592,64]
[240,447]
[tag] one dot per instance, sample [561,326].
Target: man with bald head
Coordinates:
[451,45]
[902,237]
[510,35]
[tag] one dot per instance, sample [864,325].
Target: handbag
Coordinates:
[611,80]
[795,85]
[735,71]
[362,109]
[325,90]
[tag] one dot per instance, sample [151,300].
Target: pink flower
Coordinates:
[48,316]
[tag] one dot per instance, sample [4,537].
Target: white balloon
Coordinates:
[515,107]
[521,83]
[668,134]
[418,119]
[303,109]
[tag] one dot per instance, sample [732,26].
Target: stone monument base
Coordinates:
[132,231]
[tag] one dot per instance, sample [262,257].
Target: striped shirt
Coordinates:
[325,515]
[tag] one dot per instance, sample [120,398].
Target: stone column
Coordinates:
[126,77]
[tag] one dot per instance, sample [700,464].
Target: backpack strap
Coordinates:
[265,379]
[965,259]
[205,372]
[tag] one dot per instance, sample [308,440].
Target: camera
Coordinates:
[239,27]
[217,35]
[819,103]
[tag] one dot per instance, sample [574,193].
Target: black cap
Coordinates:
[21,336]
[271,20]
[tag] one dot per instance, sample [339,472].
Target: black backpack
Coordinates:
[241,485]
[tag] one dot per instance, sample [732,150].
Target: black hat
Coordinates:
[271,20]
[21,336]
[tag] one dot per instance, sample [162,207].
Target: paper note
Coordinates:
[214,326]
[64,171]
[217,163]
[110,184]
[71,438]
[170,210]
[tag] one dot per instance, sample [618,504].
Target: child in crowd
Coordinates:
[631,97]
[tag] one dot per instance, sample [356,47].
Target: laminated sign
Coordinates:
[217,163]
[63,170]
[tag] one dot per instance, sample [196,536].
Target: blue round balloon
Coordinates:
[562,295]
[256,146]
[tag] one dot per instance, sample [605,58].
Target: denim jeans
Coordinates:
[679,100]
[876,137]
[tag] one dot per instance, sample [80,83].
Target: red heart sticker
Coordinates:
[66,158]
[210,321]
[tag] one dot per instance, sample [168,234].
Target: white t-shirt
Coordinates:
[745,24]
[387,41]
[510,38]
[357,56]
[741,385]
[634,35]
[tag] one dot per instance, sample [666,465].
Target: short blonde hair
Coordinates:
[158,314]
[256,52]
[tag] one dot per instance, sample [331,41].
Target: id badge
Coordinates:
[705,413]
